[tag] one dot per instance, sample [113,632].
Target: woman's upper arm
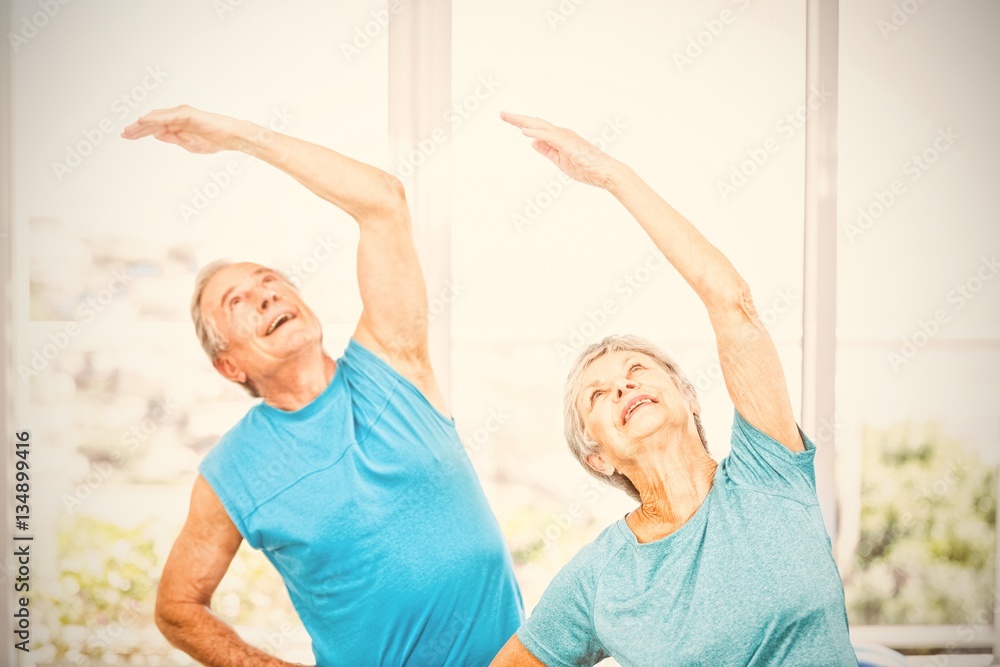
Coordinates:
[752,369]
[514,654]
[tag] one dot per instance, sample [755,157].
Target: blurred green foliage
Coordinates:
[928,517]
[100,608]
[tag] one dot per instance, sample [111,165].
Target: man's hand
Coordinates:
[192,129]
[575,156]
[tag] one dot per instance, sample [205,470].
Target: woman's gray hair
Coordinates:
[576,436]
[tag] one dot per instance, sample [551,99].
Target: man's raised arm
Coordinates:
[394,320]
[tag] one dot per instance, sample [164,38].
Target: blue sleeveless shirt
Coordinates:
[368,506]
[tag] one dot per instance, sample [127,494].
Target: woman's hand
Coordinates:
[575,156]
[192,129]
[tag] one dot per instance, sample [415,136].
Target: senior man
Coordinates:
[349,474]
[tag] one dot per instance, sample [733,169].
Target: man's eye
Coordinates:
[234,301]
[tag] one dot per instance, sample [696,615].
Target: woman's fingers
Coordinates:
[523,122]
[545,149]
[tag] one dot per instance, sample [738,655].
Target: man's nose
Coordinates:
[270,297]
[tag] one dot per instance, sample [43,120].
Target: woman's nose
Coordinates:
[624,384]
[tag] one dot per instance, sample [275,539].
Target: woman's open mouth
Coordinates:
[634,403]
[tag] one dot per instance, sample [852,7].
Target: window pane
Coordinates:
[109,234]
[550,266]
[918,366]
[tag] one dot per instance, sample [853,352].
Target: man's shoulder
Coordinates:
[241,439]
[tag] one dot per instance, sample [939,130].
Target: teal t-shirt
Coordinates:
[748,580]
[368,506]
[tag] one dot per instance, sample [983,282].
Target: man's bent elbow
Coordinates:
[394,188]
[165,622]
[171,616]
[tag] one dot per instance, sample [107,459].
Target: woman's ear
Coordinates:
[597,462]
[695,406]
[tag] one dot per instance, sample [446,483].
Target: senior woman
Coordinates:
[723,563]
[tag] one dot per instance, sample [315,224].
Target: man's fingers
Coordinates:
[154,120]
[135,131]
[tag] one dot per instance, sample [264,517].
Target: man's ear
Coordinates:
[597,462]
[229,370]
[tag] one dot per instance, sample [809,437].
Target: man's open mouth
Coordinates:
[278,321]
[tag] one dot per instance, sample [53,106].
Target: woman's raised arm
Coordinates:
[749,360]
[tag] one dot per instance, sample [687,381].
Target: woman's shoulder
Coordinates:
[593,558]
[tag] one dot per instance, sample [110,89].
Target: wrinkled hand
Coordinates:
[575,156]
[192,129]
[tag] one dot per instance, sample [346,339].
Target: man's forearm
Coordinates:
[363,191]
[700,263]
[194,629]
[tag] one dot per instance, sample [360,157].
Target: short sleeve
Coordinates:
[560,630]
[758,461]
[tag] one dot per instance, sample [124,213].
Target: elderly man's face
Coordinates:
[627,397]
[262,318]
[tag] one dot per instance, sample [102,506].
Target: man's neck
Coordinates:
[298,383]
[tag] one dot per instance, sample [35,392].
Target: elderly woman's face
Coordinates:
[626,397]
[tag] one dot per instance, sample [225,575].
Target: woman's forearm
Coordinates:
[360,189]
[700,263]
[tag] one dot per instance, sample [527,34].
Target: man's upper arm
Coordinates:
[752,370]
[201,554]
[393,293]
[394,323]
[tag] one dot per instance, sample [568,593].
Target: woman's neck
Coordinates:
[671,488]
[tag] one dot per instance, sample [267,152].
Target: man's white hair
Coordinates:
[212,341]
[576,436]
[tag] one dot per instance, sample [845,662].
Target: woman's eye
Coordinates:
[634,367]
[593,397]
[234,301]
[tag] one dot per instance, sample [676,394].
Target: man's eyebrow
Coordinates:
[225,295]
